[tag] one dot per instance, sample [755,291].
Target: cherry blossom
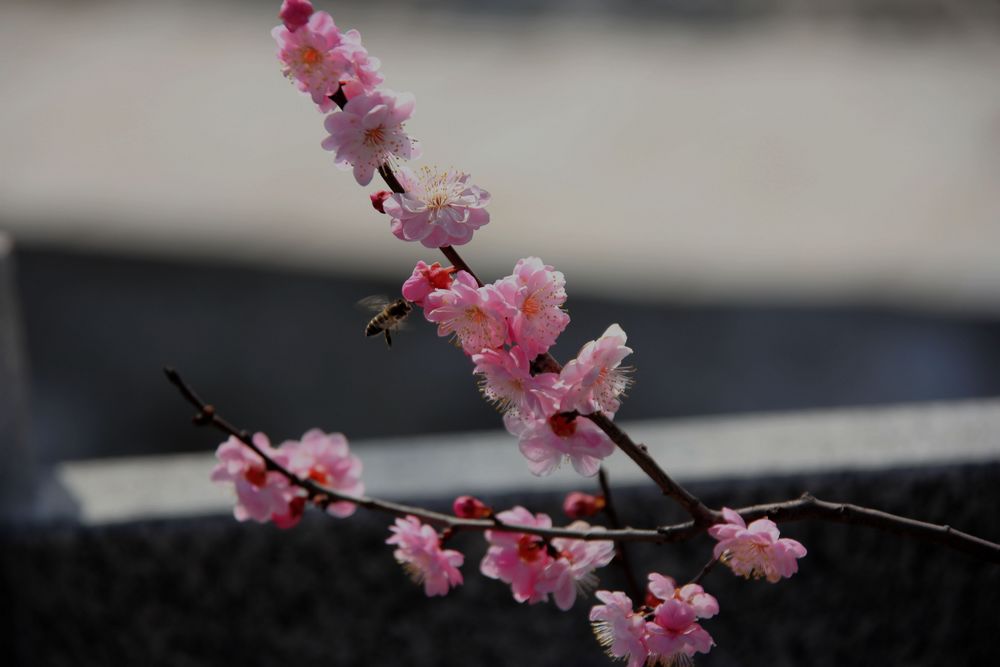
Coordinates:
[519,559]
[369,132]
[325,458]
[476,315]
[508,382]
[673,636]
[418,550]
[295,13]
[439,208]
[574,565]
[537,293]
[425,279]
[309,57]
[261,493]
[755,551]
[595,379]
[546,443]
[362,76]
[619,629]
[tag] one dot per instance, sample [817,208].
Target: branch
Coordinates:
[609,508]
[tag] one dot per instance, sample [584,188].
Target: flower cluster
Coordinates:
[436,208]
[755,551]
[504,327]
[535,568]
[418,550]
[267,495]
[664,631]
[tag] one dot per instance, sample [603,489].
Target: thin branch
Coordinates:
[805,507]
[705,570]
[609,508]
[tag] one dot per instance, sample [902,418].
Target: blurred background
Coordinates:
[786,204]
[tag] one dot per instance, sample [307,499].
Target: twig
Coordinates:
[805,507]
[705,570]
[622,552]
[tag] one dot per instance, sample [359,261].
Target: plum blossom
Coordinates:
[534,569]
[310,57]
[574,565]
[595,379]
[369,132]
[674,636]
[325,458]
[261,494]
[755,551]
[507,381]
[439,208]
[424,280]
[546,443]
[418,550]
[619,629]
[295,13]
[518,559]
[476,315]
[470,507]
[537,293]
[362,75]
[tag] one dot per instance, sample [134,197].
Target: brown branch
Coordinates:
[609,508]
[705,570]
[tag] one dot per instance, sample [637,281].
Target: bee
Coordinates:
[390,315]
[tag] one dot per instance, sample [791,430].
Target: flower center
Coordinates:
[310,56]
[531,306]
[319,475]
[256,475]
[562,424]
[530,548]
[375,136]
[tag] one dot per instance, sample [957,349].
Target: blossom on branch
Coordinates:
[619,629]
[425,279]
[578,504]
[755,551]
[418,550]
[295,13]
[325,458]
[475,315]
[546,443]
[507,381]
[310,57]
[536,292]
[673,636]
[261,494]
[595,379]
[438,208]
[362,75]
[535,568]
[369,132]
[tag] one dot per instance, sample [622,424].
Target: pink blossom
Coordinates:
[369,132]
[261,493]
[519,559]
[595,379]
[546,443]
[362,75]
[508,382]
[574,565]
[309,57]
[673,635]
[425,279]
[470,507]
[578,504]
[755,551]
[619,629]
[325,458]
[295,13]
[418,550]
[378,200]
[438,208]
[537,293]
[476,315]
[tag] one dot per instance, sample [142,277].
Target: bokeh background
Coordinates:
[786,204]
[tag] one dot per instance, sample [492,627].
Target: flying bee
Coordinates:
[390,315]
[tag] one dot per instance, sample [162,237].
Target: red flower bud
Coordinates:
[578,505]
[378,200]
[467,507]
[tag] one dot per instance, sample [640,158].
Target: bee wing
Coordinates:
[375,302]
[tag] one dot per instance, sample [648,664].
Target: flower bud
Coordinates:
[378,199]
[579,505]
[468,507]
[295,13]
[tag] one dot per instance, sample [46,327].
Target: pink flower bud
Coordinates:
[295,13]
[378,200]
[579,505]
[468,507]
